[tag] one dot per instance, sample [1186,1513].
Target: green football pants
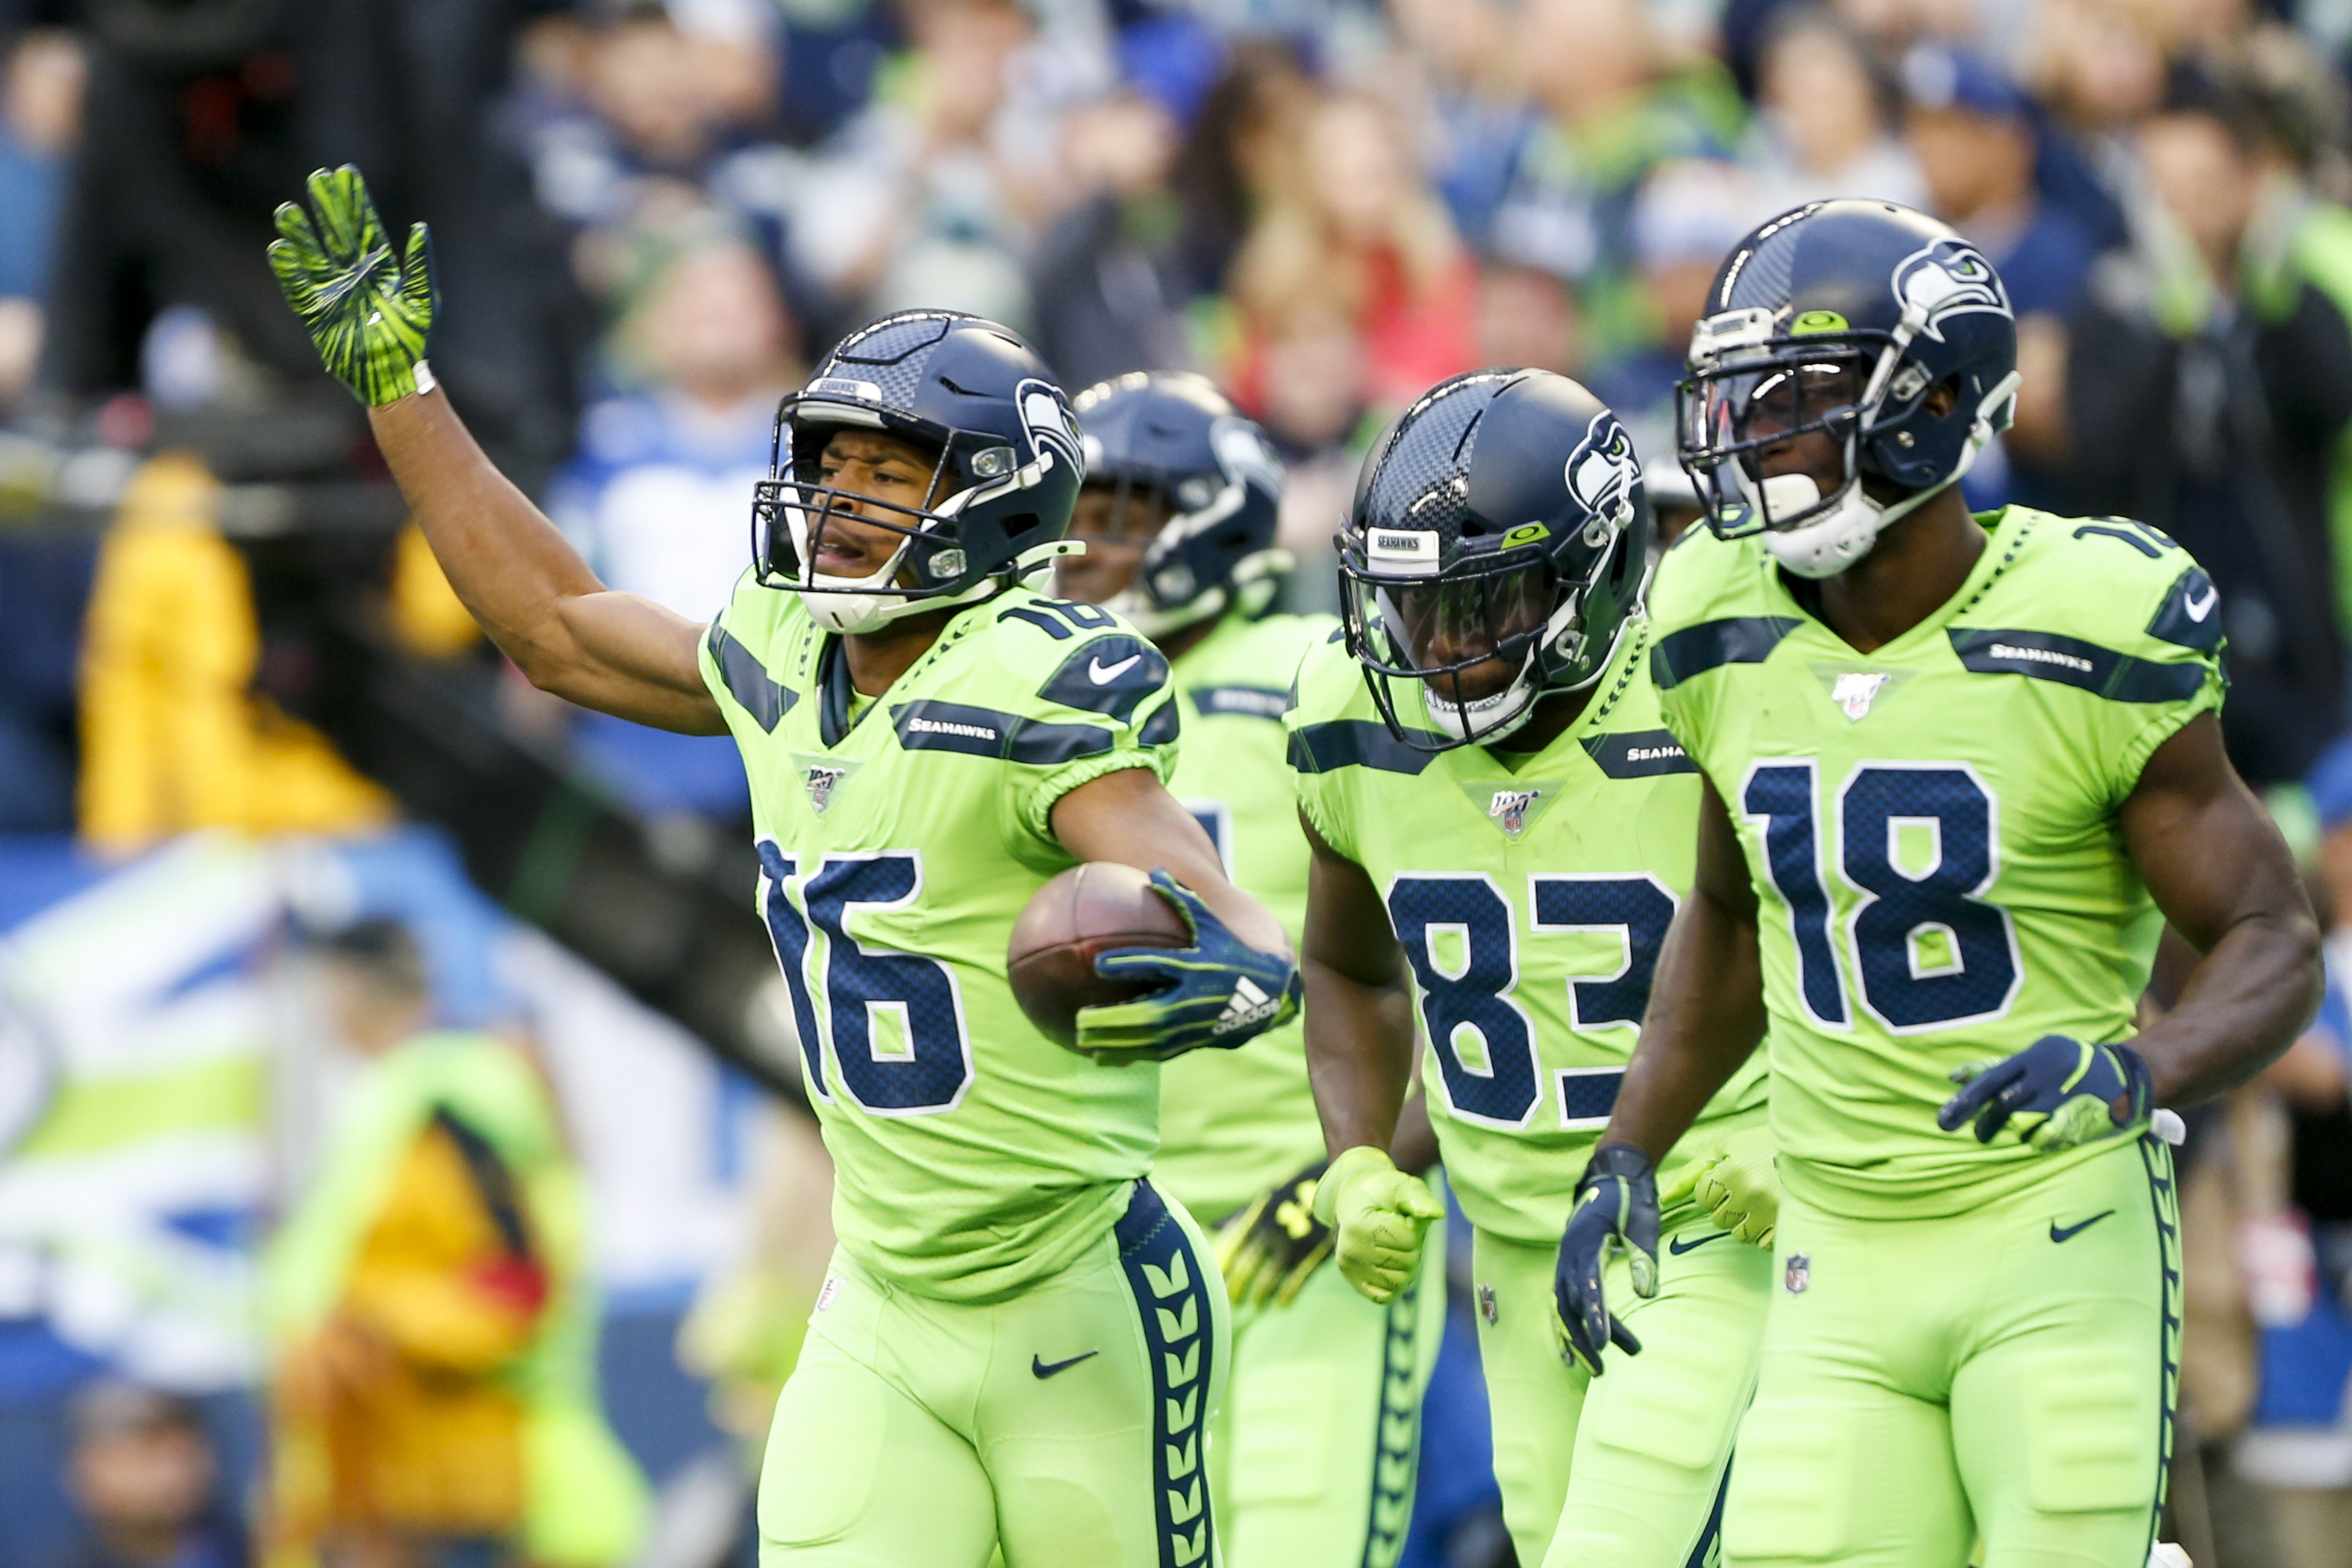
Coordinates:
[1064,1425]
[1314,1453]
[2006,1373]
[1624,1470]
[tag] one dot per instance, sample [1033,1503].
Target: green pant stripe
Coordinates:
[1170,1286]
[1396,1437]
[2164,1196]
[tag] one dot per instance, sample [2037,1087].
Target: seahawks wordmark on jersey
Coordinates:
[896,848]
[1931,827]
[1531,894]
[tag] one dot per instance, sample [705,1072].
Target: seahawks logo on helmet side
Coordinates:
[1051,430]
[1244,452]
[1602,470]
[1948,277]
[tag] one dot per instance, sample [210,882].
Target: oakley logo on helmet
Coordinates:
[1948,277]
[1602,472]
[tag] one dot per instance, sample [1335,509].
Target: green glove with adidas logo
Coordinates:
[369,311]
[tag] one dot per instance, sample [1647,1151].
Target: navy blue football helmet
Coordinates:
[1171,438]
[1008,470]
[1841,318]
[1500,524]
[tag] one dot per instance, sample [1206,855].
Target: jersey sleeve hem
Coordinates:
[1037,809]
[2167,724]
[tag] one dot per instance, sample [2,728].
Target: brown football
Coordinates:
[1088,910]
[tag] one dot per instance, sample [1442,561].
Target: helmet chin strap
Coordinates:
[1459,720]
[1844,533]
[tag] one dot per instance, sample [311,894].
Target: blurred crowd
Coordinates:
[650,215]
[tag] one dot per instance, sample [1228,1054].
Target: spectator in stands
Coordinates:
[1526,315]
[1613,109]
[1822,126]
[1462,57]
[1240,155]
[658,496]
[434,1398]
[931,196]
[1366,234]
[40,112]
[1972,131]
[1110,284]
[147,1482]
[2097,69]
[2215,415]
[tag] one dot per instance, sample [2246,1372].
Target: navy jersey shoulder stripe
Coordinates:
[2190,616]
[1638,754]
[930,726]
[1736,640]
[1162,726]
[748,681]
[2070,661]
[1248,702]
[1110,676]
[1352,743]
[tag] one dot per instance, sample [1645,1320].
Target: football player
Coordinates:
[1502,831]
[1312,1456]
[1019,1340]
[1958,772]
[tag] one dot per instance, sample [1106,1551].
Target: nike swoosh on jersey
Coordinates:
[1677,1247]
[1048,1368]
[2068,1232]
[1104,674]
[2198,609]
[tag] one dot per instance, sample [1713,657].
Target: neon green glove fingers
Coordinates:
[1741,1187]
[1380,1214]
[369,313]
[1268,1250]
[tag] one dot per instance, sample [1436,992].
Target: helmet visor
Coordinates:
[1467,639]
[1743,426]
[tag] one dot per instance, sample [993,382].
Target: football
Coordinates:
[1088,910]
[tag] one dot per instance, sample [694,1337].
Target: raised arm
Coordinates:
[2219,869]
[370,311]
[1706,996]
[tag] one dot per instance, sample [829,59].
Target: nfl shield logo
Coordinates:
[1799,1275]
[821,780]
[1511,808]
[1856,690]
[1486,1304]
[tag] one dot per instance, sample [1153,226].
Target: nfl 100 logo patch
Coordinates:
[1798,1275]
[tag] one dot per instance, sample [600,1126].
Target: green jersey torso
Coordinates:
[1234,1123]
[1531,892]
[1931,828]
[899,838]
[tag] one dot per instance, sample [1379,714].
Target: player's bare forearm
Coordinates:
[525,585]
[2217,867]
[1359,1032]
[1129,817]
[1707,998]
[1415,1145]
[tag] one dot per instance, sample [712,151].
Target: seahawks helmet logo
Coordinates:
[1602,471]
[1052,436]
[1948,277]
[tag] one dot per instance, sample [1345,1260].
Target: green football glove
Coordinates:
[1738,1184]
[1267,1250]
[1379,1213]
[1219,993]
[369,311]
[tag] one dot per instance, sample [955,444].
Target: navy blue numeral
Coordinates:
[1782,795]
[934,1069]
[1939,903]
[1216,820]
[790,933]
[1638,906]
[1474,999]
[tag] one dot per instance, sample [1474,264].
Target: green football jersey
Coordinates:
[900,838]
[1931,828]
[1531,892]
[1234,1123]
